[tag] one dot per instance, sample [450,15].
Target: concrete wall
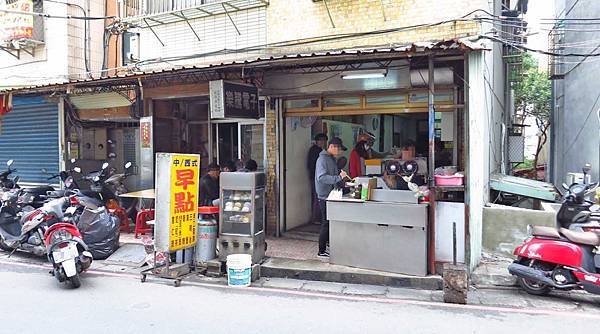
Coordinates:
[504,228]
[61,56]
[576,132]
[216,33]
[292,20]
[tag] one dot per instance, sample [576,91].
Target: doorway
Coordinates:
[242,140]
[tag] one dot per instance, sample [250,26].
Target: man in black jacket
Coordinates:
[209,186]
[313,155]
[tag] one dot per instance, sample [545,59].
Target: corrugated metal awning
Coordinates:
[524,187]
[268,60]
[100,100]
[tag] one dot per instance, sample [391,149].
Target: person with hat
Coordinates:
[209,186]
[327,175]
[313,154]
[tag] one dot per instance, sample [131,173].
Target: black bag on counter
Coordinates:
[100,232]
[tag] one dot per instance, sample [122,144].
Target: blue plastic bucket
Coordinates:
[239,270]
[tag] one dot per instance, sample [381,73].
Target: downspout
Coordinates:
[431,109]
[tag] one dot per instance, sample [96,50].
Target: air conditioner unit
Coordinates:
[131,47]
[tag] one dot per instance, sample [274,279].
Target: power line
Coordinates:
[49,16]
[495,39]
[584,124]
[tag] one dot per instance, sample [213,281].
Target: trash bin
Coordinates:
[206,241]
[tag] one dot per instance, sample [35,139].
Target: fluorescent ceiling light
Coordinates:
[365,74]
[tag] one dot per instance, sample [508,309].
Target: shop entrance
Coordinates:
[238,141]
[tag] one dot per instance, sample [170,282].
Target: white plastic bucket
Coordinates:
[239,270]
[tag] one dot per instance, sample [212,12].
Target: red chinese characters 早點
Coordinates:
[185,178]
[184,202]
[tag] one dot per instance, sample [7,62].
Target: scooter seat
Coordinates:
[584,238]
[545,231]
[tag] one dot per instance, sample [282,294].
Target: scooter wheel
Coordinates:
[535,288]
[75,281]
[177,283]
[143,278]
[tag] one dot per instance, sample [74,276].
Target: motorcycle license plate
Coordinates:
[64,254]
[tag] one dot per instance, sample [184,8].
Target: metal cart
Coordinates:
[242,215]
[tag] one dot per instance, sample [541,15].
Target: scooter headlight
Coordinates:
[61,236]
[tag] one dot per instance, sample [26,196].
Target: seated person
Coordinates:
[251,166]
[209,186]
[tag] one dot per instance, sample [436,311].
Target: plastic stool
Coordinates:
[140,221]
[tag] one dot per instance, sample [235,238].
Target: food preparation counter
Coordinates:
[386,236]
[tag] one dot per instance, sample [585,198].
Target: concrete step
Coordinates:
[314,270]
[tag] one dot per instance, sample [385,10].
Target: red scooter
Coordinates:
[67,252]
[565,257]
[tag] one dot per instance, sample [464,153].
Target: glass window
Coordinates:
[236,211]
[423,97]
[386,100]
[353,101]
[311,103]
[253,144]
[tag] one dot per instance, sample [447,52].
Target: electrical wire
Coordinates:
[86,28]
[584,124]
[48,16]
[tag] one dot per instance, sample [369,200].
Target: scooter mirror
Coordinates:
[564,185]
[9,162]
[73,161]
[105,165]
[128,164]
[587,168]
[77,169]
[44,171]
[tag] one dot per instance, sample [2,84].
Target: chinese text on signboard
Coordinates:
[184,201]
[232,100]
[16,26]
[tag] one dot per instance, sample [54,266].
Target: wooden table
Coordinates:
[146,193]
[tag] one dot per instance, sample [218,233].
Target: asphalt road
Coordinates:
[34,302]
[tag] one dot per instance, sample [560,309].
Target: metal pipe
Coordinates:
[432,197]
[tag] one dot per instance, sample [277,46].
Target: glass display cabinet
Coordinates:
[242,215]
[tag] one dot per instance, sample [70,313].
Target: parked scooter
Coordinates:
[25,230]
[107,188]
[67,252]
[564,257]
[5,182]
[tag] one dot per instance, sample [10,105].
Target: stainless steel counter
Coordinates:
[384,236]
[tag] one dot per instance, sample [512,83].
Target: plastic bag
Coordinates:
[100,232]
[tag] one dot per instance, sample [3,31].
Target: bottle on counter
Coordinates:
[357,192]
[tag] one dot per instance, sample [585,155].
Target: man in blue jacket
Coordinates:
[327,175]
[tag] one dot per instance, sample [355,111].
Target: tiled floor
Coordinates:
[292,248]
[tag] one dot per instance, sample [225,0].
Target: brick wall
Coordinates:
[272,151]
[301,19]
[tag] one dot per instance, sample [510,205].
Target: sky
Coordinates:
[539,9]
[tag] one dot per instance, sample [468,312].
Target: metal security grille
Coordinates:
[29,136]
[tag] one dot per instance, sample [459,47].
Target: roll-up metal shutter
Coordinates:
[29,136]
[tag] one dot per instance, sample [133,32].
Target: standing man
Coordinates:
[313,155]
[327,175]
[209,186]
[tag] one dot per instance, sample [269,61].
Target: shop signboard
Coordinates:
[177,180]
[233,100]
[16,26]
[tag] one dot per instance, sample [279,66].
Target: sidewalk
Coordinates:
[507,297]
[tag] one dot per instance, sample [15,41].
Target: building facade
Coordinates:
[575,137]
[440,68]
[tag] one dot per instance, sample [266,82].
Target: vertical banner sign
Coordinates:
[146,132]
[177,179]
[16,26]
[146,153]
[184,201]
